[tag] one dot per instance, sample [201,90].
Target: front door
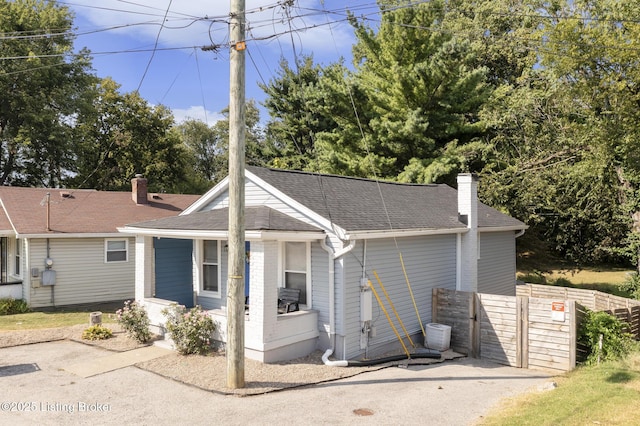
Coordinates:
[174,274]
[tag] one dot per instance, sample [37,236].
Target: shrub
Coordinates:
[135,321]
[615,341]
[190,330]
[535,277]
[13,306]
[97,332]
[631,285]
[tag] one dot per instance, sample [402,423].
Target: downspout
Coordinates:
[332,314]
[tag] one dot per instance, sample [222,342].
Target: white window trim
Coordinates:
[18,248]
[126,250]
[200,259]
[281,271]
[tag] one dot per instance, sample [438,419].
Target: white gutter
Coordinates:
[54,235]
[332,314]
[223,235]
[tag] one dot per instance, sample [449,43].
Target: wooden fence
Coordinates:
[517,331]
[628,310]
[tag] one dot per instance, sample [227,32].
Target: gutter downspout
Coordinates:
[332,311]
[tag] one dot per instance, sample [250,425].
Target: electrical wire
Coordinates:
[155,46]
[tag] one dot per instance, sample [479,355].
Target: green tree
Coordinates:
[120,136]
[294,98]
[566,136]
[208,146]
[254,141]
[43,85]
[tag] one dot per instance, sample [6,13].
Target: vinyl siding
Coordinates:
[497,263]
[320,284]
[430,262]
[256,196]
[82,276]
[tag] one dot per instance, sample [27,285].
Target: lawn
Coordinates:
[605,394]
[52,319]
[603,279]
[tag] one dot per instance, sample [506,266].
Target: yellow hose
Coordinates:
[375,293]
[413,299]
[406,333]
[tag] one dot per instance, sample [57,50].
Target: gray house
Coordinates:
[328,237]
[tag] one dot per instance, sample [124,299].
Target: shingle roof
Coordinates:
[84,211]
[256,219]
[357,204]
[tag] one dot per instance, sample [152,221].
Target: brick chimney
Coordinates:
[139,190]
[468,246]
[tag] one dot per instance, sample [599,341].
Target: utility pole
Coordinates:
[235,281]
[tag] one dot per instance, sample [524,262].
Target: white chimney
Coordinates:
[139,190]
[467,259]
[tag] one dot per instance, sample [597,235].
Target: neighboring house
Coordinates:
[62,247]
[326,235]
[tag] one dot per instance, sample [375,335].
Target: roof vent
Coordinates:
[66,194]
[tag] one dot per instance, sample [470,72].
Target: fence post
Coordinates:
[522,332]
[573,334]
[475,321]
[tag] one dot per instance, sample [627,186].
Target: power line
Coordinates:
[155,46]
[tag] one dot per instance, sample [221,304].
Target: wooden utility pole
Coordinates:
[235,281]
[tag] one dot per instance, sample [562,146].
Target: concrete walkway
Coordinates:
[116,361]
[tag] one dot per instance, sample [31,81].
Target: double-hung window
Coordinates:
[116,250]
[296,273]
[17,270]
[211,266]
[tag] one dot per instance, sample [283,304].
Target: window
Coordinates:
[210,266]
[116,251]
[295,269]
[18,259]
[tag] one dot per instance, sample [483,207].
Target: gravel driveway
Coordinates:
[37,390]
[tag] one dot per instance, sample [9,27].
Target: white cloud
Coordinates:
[196,113]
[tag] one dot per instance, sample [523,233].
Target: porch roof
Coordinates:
[257,219]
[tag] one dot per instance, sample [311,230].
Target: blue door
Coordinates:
[174,276]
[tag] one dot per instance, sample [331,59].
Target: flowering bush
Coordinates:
[190,330]
[135,321]
[97,332]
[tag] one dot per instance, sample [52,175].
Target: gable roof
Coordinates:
[358,205]
[353,207]
[82,211]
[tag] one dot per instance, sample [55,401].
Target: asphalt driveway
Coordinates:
[36,389]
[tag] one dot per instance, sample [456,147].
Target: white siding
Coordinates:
[497,263]
[430,262]
[255,197]
[320,285]
[82,276]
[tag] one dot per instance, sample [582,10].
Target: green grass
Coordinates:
[53,319]
[603,279]
[605,394]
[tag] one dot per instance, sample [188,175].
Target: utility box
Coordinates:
[48,277]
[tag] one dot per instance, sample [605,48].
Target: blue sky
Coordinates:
[192,82]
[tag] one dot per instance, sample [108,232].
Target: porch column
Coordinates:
[144,268]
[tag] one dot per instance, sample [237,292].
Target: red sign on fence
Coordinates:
[557,311]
